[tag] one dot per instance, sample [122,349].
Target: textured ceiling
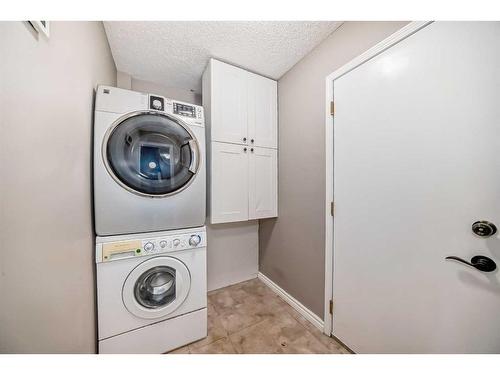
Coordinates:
[175,54]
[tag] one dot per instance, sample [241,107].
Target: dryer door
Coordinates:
[151,153]
[156,287]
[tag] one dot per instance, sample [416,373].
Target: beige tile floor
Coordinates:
[250,318]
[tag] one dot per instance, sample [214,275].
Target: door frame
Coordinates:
[380,47]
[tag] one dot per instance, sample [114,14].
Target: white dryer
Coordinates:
[151,291]
[149,163]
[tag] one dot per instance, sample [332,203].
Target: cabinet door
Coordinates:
[262,111]
[229,183]
[229,103]
[263,183]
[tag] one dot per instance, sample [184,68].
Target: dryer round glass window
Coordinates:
[151,154]
[156,287]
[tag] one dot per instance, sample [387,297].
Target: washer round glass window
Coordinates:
[155,288]
[152,153]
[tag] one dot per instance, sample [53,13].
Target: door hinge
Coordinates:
[332,208]
[331,307]
[332,108]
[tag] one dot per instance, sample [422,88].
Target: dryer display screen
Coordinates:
[184,110]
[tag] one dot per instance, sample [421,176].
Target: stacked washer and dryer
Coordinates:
[149,203]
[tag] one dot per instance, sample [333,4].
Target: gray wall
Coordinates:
[126,81]
[291,247]
[169,92]
[46,256]
[232,253]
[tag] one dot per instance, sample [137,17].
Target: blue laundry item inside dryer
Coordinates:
[150,163]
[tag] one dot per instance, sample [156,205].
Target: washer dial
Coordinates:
[194,240]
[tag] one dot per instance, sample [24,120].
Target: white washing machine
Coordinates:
[151,291]
[149,163]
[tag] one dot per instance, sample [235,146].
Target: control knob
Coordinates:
[176,242]
[149,246]
[195,240]
[156,104]
[163,244]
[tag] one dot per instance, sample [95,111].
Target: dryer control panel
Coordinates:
[116,250]
[184,109]
[190,113]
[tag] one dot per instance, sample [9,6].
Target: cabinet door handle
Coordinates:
[244,139]
[251,140]
[245,149]
[251,149]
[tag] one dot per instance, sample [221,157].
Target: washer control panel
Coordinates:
[115,250]
[173,242]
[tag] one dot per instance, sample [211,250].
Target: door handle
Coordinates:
[479,262]
[193,167]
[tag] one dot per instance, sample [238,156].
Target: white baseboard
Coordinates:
[300,308]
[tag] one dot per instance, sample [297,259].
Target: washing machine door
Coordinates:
[151,153]
[156,287]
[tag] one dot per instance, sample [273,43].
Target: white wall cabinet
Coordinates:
[243,106]
[242,131]
[229,104]
[262,111]
[243,183]
[263,183]
[229,183]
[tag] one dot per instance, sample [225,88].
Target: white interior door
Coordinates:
[263,183]
[229,103]
[229,183]
[416,162]
[262,111]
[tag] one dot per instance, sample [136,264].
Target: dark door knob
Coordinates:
[479,262]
